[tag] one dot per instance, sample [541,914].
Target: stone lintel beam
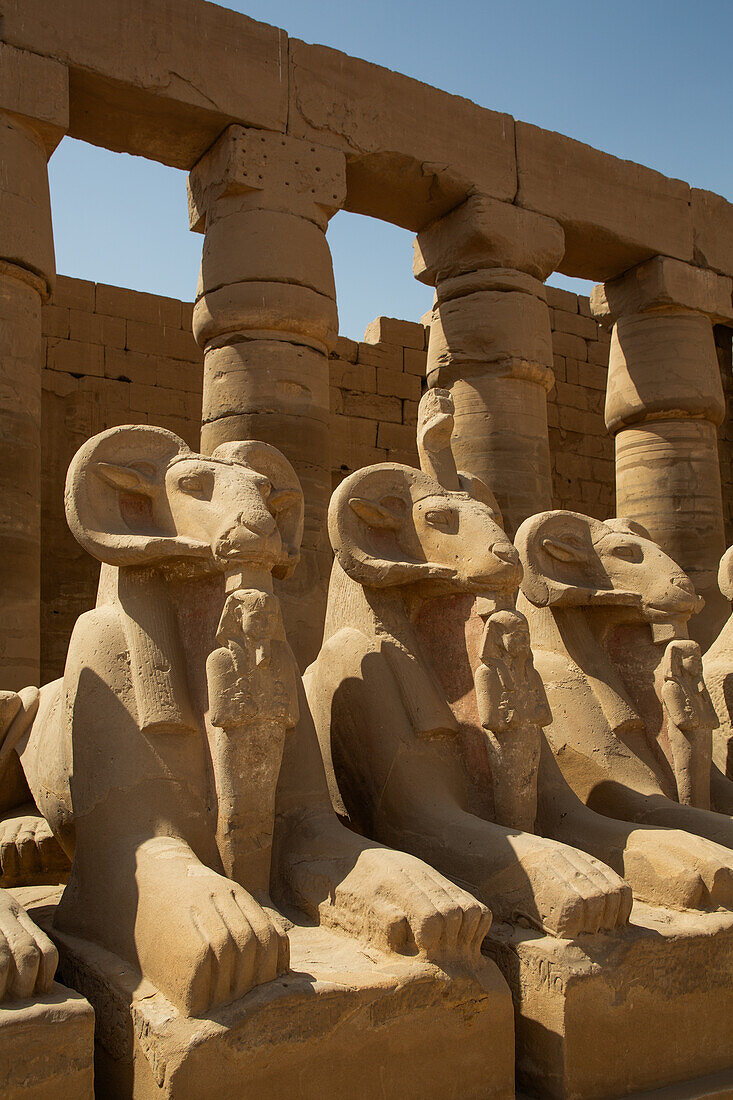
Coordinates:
[36,90]
[491,343]
[266,318]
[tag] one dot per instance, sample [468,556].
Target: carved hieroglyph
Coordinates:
[175,762]
[632,721]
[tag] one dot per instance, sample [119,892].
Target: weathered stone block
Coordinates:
[37,88]
[415,362]
[585,327]
[557,298]
[75,357]
[712,219]
[615,213]
[399,437]
[346,349]
[339,1020]
[373,406]
[135,305]
[389,330]
[568,345]
[47,1048]
[79,294]
[659,994]
[403,134]
[172,98]
[397,383]
[162,340]
[381,355]
[663,282]
[483,233]
[353,376]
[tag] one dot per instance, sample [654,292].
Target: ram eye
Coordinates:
[200,485]
[628,551]
[444,519]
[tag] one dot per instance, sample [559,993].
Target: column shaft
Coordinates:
[491,344]
[663,405]
[266,318]
[26,271]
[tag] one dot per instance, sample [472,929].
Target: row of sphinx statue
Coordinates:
[521,730]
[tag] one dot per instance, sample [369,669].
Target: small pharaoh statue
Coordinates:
[512,708]
[690,720]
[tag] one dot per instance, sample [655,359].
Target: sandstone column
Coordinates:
[663,405]
[491,343]
[266,317]
[33,117]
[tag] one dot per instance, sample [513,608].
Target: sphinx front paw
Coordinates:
[29,852]
[570,893]
[28,959]
[679,870]
[399,903]
[202,939]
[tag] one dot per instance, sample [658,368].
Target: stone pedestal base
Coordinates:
[345,1021]
[47,1048]
[613,1015]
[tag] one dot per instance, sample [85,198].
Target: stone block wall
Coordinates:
[724,344]
[580,446]
[116,356]
[112,356]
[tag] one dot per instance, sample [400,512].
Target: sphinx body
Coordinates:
[632,720]
[176,761]
[430,723]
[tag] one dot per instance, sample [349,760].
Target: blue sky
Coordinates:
[648,80]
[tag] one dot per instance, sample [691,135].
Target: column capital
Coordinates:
[664,284]
[483,233]
[34,115]
[34,91]
[249,169]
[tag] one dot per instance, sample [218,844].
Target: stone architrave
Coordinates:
[664,403]
[266,317]
[429,714]
[33,118]
[225,926]
[491,344]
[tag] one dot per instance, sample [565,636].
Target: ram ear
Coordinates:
[286,495]
[559,561]
[367,521]
[137,477]
[115,501]
[566,549]
[377,513]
